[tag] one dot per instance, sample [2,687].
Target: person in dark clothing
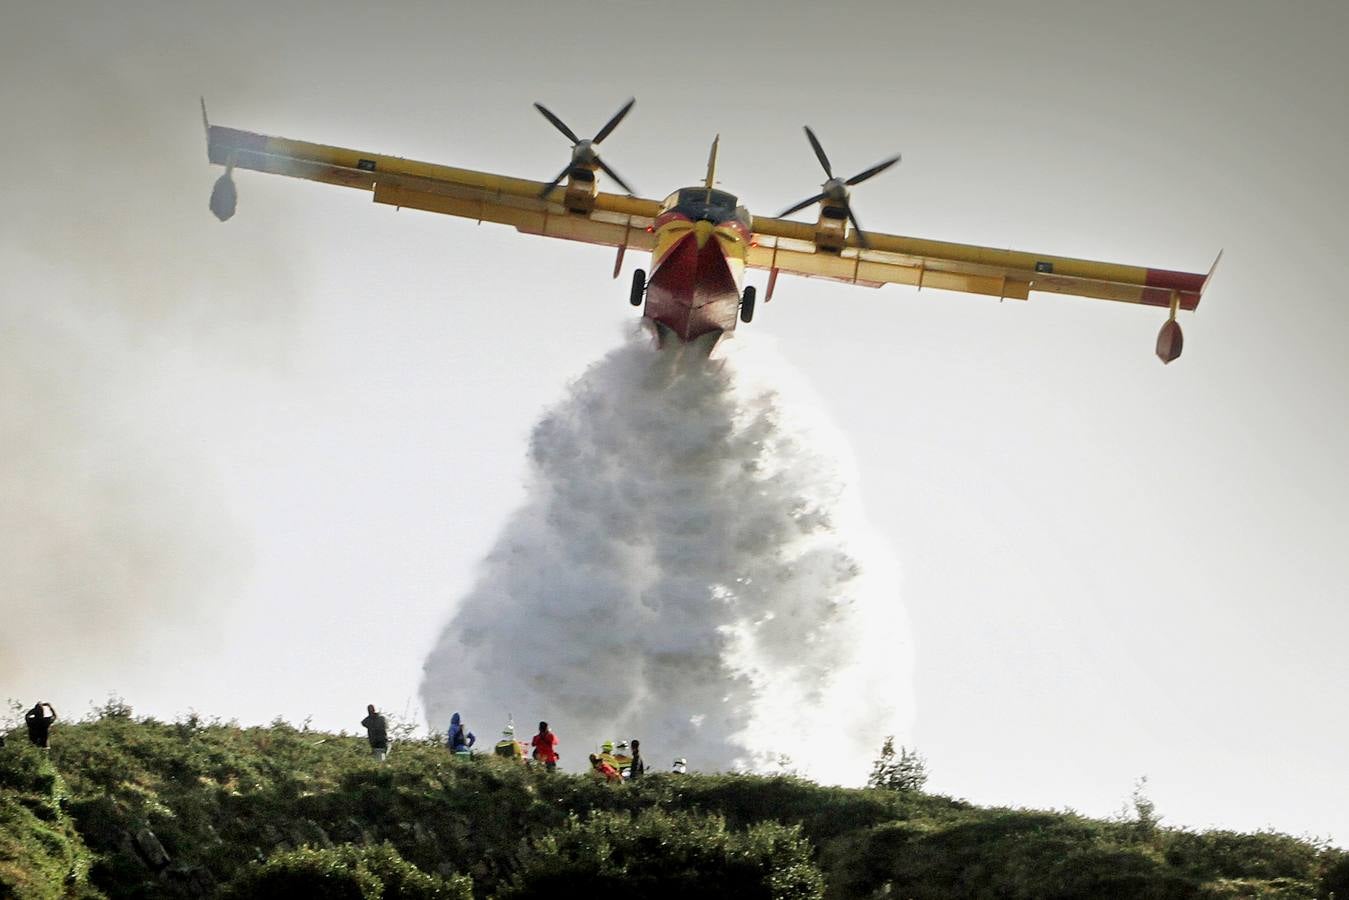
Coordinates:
[377,732]
[637,767]
[39,720]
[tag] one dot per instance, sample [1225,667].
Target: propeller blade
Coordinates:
[874,170]
[554,183]
[802,205]
[613,123]
[819,152]
[558,123]
[857,229]
[614,175]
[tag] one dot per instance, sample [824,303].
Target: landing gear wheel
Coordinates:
[638,287]
[747,305]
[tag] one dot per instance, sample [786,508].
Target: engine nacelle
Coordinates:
[581,191]
[831,228]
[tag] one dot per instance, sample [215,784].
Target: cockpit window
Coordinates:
[700,203]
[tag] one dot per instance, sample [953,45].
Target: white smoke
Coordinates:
[691,567]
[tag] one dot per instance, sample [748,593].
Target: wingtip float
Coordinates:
[701,239]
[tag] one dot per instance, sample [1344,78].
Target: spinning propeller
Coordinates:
[835,190]
[583,154]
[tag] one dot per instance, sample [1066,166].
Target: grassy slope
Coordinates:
[41,852]
[217,797]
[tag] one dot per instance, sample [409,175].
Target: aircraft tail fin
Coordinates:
[712,162]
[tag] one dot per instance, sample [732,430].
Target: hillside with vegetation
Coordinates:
[125,807]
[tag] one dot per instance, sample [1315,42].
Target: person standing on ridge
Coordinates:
[508,747]
[377,731]
[545,747]
[39,720]
[637,766]
[460,739]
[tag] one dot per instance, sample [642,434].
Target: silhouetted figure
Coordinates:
[39,720]
[545,747]
[377,732]
[637,767]
[459,739]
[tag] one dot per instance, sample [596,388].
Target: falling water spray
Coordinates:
[690,567]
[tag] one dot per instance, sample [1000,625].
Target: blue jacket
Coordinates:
[458,738]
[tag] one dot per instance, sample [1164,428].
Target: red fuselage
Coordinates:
[697,265]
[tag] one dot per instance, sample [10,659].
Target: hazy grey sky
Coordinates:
[248,468]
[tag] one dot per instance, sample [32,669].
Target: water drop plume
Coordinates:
[690,567]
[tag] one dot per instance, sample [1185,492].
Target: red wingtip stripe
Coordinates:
[1175,281]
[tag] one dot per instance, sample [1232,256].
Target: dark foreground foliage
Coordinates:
[660,856]
[343,873]
[125,808]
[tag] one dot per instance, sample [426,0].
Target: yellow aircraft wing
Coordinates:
[614,220]
[786,246]
[578,212]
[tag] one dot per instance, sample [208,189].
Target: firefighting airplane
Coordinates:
[700,238]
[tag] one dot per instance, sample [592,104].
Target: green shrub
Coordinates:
[23,769]
[1226,854]
[1122,873]
[41,852]
[822,812]
[657,855]
[1335,879]
[1003,854]
[344,873]
[1258,889]
[905,771]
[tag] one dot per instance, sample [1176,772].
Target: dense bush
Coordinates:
[343,873]
[903,771]
[657,855]
[41,852]
[1335,879]
[1226,854]
[1007,855]
[822,812]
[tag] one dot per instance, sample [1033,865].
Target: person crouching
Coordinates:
[604,769]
